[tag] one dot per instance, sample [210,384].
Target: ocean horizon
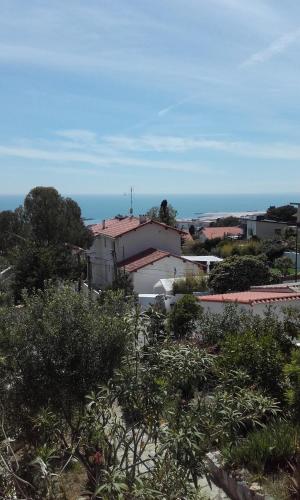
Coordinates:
[97,207]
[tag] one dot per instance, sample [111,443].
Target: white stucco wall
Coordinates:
[149,236]
[259,309]
[144,279]
[101,257]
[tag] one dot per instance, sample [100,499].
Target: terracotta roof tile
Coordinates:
[221,232]
[117,227]
[143,259]
[251,297]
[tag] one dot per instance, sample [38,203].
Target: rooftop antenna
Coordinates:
[131,201]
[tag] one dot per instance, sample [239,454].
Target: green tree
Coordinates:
[292,371]
[238,273]
[258,355]
[54,219]
[165,213]
[36,266]
[284,213]
[13,229]
[283,264]
[183,316]
[57,348]
[229,221]
[123,281]
[40,238]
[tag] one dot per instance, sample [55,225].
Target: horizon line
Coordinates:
[281,193]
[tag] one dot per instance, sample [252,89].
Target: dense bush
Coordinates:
[183,316]
[266,450]
[238,273]
[57,348]
[216,327]
[259,355]
[190,284]
[292,371]
[227,248]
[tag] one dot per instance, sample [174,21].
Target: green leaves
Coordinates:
[238,273]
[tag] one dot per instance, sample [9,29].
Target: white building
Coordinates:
[257,299]
[263,228]
[145,249]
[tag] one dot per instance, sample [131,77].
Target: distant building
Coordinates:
[209,233]
[145,249]
[264,229]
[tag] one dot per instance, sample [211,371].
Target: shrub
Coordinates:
[183,316]
[283,264]
[292,371]
[266,450]
[238,273]
[259,355]
[190,284]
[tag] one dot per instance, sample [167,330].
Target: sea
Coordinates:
[103,206]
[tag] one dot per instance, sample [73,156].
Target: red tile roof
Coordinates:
[143,259]
[117,227]
[251,297]
[221,232]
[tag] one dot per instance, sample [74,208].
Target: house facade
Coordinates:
[145,249]
[264,229]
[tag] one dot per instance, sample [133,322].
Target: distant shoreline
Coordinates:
[95,208]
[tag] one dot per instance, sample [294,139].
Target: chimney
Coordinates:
[142,219]
[103,224]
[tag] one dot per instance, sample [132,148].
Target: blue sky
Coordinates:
[170,96]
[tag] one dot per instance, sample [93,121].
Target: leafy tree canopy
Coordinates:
[238,273]
[284,213]
[54,219]
[12,228]
[226,222]
[58,347]
[183,316]
[165,213]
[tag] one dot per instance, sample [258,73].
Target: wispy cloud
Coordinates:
[165,111]
[175,144]
[80,135]
[277,47]
[60,153]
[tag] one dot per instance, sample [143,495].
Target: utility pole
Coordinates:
[131,201]
[297,204]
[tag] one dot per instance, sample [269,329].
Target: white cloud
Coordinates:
[169,144]
[80,135]
[277,47]
[106,162]
[165,111]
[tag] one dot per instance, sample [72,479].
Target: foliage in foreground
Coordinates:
[56,348]
[156,405]
[183,316]
[266,450]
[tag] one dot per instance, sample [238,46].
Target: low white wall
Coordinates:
[259,309]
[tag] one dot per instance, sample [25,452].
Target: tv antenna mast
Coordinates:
[131,201]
